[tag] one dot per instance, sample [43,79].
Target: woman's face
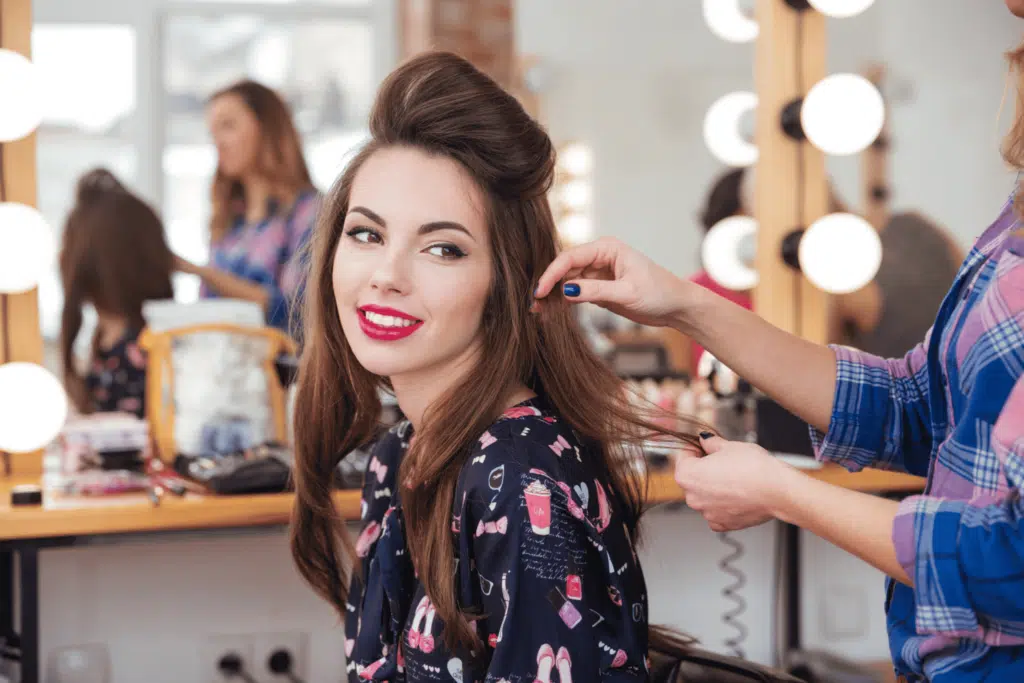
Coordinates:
[412,271]
[236,133]
[1016,6]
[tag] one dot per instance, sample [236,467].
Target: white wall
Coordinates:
[633,79]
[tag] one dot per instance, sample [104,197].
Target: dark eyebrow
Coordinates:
[425,229]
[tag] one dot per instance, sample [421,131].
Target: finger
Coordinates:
[711,443]
[594,291]
[592,254]
[718,527]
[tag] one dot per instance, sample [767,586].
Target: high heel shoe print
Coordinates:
[563,662]
[426,637]
[413,638]
[545,662]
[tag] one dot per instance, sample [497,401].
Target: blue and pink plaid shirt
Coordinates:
[266,253]
[951,409]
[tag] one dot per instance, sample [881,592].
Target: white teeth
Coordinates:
[387,320]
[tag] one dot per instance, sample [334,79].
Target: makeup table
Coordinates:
[63,522]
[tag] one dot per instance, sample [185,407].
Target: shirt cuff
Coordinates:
[841,444]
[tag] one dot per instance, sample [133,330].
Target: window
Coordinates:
[324,70]
[88,75]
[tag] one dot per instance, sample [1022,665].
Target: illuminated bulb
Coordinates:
[842,114]
[727,21]
[576,195]
[722,253]
[841,9]
[33,407]
[722,129]
[27,247]
[840,253]
[22,110]
[576,228]
[577,159]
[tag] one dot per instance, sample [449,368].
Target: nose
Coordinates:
[391,273]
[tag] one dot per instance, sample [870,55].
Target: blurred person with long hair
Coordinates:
[264,203]
[113,256]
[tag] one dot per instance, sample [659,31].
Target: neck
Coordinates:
[257,192]
[417,391]
[110,327]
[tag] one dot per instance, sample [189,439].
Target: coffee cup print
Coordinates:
[538,503]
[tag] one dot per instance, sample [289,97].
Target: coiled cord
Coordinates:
[732,593]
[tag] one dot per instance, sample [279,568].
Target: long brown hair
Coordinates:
[114,256]
[440,103]
[1013,144]
[280,159]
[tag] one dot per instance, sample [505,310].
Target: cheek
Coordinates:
[462,297]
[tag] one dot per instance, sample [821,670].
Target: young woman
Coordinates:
[501,518]
[952,408]
[114,256]
[264,202]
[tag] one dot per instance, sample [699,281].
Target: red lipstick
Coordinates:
[381,323]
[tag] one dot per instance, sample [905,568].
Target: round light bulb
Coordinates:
[722,253]
[841,9]
[576,228]
[722,129]
[842,114]
[840,253]
[577,159]
[576,195]
[33,407]
[727,21]
[19,90]
[27,247]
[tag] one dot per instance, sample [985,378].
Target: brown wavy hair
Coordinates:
[440,103]
[280,159]
[1013,144]
[114,256]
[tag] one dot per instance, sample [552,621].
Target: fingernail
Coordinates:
[535,290]
[571,289]
[706,435]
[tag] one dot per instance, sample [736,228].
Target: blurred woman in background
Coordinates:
[114,256]
[264,202]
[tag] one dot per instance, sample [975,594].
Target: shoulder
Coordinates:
[526,445]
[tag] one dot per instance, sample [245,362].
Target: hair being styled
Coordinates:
[114,256]
[441,104]
[279,160]
[724,199]
[1013,144]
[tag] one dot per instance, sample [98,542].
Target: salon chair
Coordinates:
[693,665]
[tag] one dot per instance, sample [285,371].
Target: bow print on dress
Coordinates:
[497,527]
[378,468]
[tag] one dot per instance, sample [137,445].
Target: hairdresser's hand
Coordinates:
[184,266]
[735,486]
[615,276]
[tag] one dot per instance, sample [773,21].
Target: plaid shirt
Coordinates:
[269,253]
[952,408]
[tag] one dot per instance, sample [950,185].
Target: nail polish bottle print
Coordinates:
[566,610]
[573,583]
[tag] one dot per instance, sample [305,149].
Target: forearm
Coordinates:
[231,286]
[798,374]
[859,523]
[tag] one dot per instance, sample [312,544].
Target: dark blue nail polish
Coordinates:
[571,289]
[706,435]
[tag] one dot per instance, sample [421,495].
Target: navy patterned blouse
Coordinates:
[542,554]
[116,378]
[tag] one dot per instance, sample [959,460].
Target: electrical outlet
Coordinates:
[265,645]
[215,647]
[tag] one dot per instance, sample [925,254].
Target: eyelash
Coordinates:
[454,251]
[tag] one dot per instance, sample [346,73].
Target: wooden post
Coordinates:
[482,31]
[875,166]
[791,187]
[19,313]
